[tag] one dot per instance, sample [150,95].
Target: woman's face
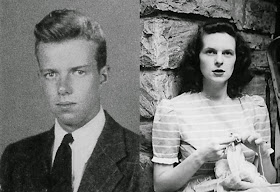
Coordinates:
[217,57]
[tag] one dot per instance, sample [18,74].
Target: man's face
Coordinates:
[71,81]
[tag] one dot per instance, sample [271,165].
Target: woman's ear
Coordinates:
[103,74]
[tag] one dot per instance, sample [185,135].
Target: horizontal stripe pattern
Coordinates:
[189,121]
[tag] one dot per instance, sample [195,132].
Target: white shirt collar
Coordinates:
[85,138]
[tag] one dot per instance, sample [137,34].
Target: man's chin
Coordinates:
[69,122]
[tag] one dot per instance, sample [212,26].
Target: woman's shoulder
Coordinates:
[254,100]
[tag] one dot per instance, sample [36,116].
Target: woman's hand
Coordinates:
[253,140]
[215,149]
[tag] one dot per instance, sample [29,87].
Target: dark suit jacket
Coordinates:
[113,165]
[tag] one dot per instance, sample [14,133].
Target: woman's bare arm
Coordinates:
[169,178]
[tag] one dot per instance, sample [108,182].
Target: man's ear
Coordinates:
[103,74]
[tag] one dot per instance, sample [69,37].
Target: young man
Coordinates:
[86,150]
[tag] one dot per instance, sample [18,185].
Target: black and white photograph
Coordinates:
[140,96]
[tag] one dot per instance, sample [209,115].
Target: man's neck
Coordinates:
[71,127]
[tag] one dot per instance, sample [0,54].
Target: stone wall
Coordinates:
[167,27]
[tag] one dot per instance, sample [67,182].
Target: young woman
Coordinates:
[194,128]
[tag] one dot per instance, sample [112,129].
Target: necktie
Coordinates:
[61,173]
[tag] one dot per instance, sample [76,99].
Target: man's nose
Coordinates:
[64,86]
[219,60]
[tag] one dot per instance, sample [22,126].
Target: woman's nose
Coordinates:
[219,60]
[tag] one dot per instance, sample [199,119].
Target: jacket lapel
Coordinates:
[102,172]
[38,169]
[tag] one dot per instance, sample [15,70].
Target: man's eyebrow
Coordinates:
[82,66]
[74,68]
[47,70]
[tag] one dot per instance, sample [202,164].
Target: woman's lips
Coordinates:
[218,72]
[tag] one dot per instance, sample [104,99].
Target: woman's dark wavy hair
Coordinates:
[189,70]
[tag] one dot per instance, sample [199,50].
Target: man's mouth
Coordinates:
[65,104]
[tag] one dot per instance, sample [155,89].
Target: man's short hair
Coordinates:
[63,25]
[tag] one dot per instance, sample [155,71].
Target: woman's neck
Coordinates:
[215,92]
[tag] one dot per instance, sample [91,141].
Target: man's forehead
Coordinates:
[67,54]
[75,41]
[71,47]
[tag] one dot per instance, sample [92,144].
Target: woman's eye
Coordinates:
[210,52]
[228,53]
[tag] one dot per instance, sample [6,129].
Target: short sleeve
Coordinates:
[165,134]
[261,120]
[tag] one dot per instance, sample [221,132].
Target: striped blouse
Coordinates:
[188,121]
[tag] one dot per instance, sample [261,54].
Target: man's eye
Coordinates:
[49,75]
[79,72]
